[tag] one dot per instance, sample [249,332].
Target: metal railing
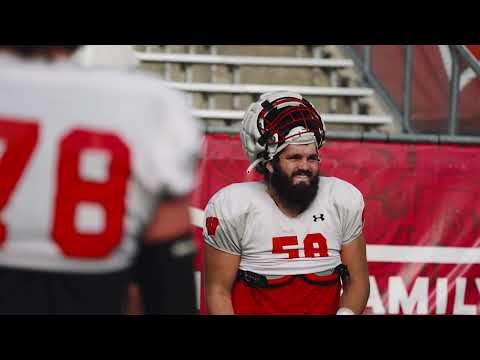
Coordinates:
[257,89]
[237,116]
[276,61]
[403,113]
[380,137]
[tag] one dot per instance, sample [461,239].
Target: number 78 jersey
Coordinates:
[242,219]
[84,156]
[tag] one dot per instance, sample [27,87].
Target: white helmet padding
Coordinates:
[276,120]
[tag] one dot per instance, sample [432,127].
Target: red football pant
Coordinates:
[295,298]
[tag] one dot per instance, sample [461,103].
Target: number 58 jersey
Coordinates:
[242,219]
[84,157]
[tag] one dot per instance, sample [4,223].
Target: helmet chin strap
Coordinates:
[254,164]
[271,153]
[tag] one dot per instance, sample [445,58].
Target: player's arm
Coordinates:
[164,267]
[220,273]
[357,289]
[167,166]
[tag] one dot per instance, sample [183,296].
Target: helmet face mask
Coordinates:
[283,120]
[276,120]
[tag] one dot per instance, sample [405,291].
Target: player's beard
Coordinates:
[294,196]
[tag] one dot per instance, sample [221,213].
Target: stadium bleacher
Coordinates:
[222,79]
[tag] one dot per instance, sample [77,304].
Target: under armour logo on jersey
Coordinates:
[212,224]
[321,217]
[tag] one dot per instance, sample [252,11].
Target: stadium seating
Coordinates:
[222,80]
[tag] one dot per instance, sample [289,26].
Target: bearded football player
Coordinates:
[292,244]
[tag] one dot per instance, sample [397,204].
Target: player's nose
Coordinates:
[303,164]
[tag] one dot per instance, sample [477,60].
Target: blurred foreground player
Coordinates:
[288,244]
[95,168]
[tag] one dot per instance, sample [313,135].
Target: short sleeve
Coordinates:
[220,230]
[174,146]
[352,214]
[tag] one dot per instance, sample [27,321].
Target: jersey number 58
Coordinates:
[314,245]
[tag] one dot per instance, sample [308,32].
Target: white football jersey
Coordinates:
[242,219]
[84,156]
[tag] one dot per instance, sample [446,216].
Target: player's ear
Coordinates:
[269,167]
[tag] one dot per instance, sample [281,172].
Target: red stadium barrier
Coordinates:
[422,218]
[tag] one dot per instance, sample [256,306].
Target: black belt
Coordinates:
[255,280]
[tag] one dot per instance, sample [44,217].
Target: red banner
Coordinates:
[422,218]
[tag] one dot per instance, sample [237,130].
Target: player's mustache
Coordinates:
[302,172]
